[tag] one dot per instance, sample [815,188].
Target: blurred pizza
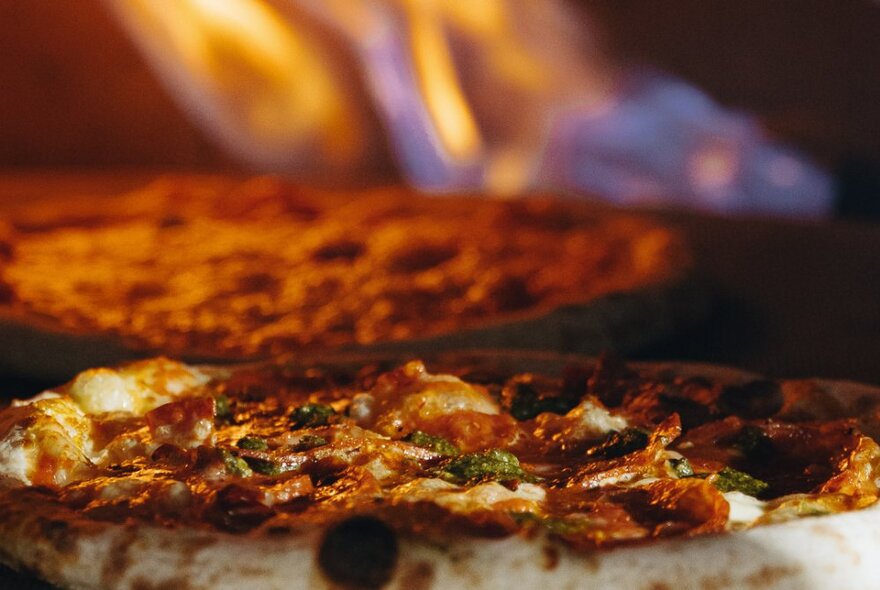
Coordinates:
[211,268]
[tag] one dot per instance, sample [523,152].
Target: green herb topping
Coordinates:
[439,445]
[222,408]
[263,466]
[526,403]
[731,480]
[311,415]
[252,443]
[558,526]
[307,442]
[235,465]
[494,464]
[681,467]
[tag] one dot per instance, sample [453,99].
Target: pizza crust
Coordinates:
[812,553]
[836,551]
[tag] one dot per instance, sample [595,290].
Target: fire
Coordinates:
[500,96]
[255,81]
[440,86]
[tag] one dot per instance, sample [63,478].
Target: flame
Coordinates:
[444,98]
[492,24]
[257,82]
[501,96]
[253,73]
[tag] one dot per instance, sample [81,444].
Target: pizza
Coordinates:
[477,470]
[209,269]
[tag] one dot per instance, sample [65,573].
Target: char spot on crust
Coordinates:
[118,558]
[360,552]
[419,576]
[174,584]
[551,557]
[339,250]
[171,220]
[59,533]
[771,575]
[422,257]
[258,282]
[718,582]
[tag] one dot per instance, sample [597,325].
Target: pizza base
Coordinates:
[809,553]
[812,553]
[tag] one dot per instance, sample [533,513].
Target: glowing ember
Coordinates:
[502,96]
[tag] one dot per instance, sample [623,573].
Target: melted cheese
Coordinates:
[105,390]
[48,439]
[485,496]
[45,442]
[128,445]
[136,388]
[590,419]
[393,408]
[744,509]
[17,454]
[16,403]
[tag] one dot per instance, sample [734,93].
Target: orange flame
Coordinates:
[444,98]
[488,72]
[257,82]
[259,75]
[501,96]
